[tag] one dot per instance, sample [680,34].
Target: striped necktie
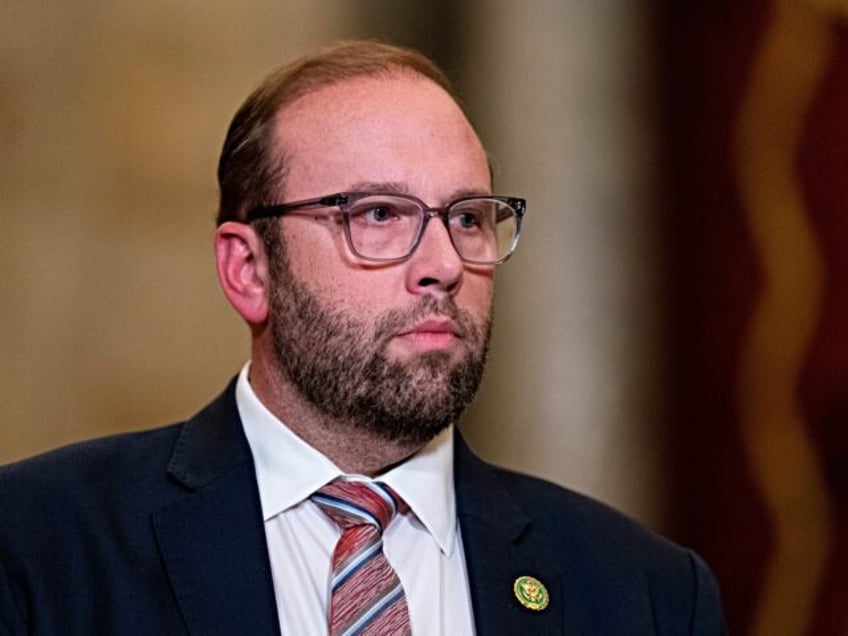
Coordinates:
[367,596]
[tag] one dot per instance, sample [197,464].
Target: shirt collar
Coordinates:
[288,470]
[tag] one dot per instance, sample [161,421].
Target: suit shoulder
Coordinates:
[562,513]
[115,462]
[620,563]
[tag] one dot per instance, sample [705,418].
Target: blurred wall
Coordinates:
[563,96]
[111,118]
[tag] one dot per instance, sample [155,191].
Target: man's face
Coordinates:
[396,349]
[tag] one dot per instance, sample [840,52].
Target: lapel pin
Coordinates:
[531,593]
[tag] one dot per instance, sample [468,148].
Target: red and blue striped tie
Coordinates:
[367,596]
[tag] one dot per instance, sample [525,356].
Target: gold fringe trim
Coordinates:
[787,72]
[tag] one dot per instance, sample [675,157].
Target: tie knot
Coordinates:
[356,503]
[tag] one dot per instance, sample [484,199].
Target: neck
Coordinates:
[348,446]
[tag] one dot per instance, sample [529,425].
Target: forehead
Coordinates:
[402,128]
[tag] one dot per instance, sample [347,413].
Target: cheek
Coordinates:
[342,286]
[311,238]
[476,294]
[364,296]
[316,250]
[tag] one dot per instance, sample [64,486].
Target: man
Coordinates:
[358,237]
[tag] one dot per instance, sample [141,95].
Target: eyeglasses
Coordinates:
[388,226]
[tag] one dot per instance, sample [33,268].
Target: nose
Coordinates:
[435,267]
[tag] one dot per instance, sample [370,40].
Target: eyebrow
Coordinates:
[380,186]
[398,187]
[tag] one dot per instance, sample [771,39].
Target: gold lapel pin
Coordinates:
[531,593]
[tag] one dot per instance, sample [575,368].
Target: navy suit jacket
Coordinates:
[161,532]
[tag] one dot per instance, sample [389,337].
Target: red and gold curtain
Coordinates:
[757,168]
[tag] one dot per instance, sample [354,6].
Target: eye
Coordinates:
[375,213]
[379,214]
[468,219]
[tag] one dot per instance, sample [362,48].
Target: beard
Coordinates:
[340,365]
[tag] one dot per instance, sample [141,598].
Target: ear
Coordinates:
[243,270]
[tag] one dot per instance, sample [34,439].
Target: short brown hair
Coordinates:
[250,169]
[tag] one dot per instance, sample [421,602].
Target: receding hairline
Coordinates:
[288,117]
[343,61]
[354,84]
[250,151]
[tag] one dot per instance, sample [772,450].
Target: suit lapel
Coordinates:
[499,549]
[212,540]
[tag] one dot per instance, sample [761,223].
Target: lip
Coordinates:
[432,326]
[434,334]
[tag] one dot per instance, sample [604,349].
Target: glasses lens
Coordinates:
[383,227]
[483,230]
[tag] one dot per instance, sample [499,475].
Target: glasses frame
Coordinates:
[344,200]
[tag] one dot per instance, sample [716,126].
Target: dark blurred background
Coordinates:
[670,336]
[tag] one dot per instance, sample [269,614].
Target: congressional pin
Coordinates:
[531,593]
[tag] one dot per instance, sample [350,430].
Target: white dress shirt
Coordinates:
[424,546]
